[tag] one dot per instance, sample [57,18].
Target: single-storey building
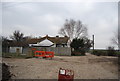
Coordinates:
[49,43]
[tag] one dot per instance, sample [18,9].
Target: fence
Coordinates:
[60,51]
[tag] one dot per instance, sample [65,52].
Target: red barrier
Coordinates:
[65,75]
[40,53]
[46,54]
[49,54]
[34,49]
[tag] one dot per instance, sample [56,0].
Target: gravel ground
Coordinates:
[84,67]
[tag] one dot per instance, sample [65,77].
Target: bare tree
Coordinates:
[17,35]
[116,39]
[73,29]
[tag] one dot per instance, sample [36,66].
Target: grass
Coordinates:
[118,53]
[13,55]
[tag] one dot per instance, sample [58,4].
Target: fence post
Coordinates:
[17,51]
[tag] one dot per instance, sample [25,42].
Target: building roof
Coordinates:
[17,44]
[55,40]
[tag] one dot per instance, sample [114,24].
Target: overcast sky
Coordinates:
[42,18]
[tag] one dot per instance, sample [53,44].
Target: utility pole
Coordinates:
[93,42]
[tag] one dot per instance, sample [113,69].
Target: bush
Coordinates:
[76,53]
[81,45]
[111,51]
[106,52]
[95,52]
[118,53]
[100,52]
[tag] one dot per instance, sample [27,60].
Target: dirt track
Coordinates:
[85,67]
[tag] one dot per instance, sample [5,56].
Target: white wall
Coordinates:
[13,49]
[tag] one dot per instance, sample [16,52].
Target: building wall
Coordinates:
[14,49]
[60,51]
[25,50]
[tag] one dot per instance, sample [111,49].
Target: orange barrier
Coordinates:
[44,54]
[33,49]
[49,54]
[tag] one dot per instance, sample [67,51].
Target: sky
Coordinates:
[46,18]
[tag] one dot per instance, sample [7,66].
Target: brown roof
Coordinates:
[56,40]
[35,40]
[17,44]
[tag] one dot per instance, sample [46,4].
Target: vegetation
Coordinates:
[80,46]
[73,29]
[111,51]
[100,52]
[5,44]
[17,35]
[107,52]
[116,38]
[13,55]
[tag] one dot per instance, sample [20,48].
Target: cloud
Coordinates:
[39,19]
[0,19]
[60,0]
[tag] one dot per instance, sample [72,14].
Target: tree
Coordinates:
[81,45]
[116,39]
[4,41]
[17,36]
[73,29]
[5,44]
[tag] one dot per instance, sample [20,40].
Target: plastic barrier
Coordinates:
[49,54]
[34,49]
[46,54]
[39,53]
[65,75]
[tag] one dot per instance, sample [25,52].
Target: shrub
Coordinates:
[100,52]
[81,45]
[76,53]
[118,53]
[111,51]
[108,52]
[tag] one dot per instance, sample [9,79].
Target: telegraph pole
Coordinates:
[93,41]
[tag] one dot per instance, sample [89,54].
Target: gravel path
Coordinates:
[84,67]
